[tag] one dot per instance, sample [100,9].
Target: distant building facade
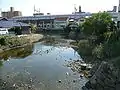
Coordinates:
[50,21]
[6,27]
[11,13]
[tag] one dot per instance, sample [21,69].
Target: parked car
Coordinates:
[3,31]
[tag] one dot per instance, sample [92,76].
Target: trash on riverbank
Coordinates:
[80,67]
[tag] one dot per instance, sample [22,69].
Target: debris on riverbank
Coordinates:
[80,67]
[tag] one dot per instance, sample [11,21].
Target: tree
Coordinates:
[72,30]
[97,25]
[16,30]
[102,35]
[33,28]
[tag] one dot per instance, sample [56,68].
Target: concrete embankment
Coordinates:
[12,42]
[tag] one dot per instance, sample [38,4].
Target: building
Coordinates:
[34,14]
[50,21]
[7,24]
[113,10]
[11,13]
[60,22]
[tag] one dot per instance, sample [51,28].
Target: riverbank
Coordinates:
[105,76]
[99,46]
[105,73]
[12,42]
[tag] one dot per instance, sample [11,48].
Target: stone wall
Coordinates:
[106,77]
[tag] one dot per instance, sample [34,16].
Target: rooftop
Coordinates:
[4,23]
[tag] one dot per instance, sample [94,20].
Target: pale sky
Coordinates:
[57,6]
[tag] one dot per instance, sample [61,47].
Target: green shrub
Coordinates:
[2,41]
[13,41]
[112,50]
[85,49]
[72,35]
[33,28]
[117,62]
[106,51]
[98,52]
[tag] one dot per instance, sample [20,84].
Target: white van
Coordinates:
[3,31]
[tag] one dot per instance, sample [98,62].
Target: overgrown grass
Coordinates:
[12,41]
[85,50]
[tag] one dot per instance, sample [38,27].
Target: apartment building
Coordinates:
[11,13]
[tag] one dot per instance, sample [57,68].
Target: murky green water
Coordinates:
[39,67]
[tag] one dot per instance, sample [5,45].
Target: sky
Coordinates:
[57,6]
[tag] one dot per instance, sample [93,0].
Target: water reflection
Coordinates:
[17,53]
[1,63]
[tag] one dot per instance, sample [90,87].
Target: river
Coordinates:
[39,67]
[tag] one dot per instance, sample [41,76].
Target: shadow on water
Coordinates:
[17,53]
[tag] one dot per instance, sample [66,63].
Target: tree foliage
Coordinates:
[33,28]
[103,37]
[98,25]
[72,30]
[16,30]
